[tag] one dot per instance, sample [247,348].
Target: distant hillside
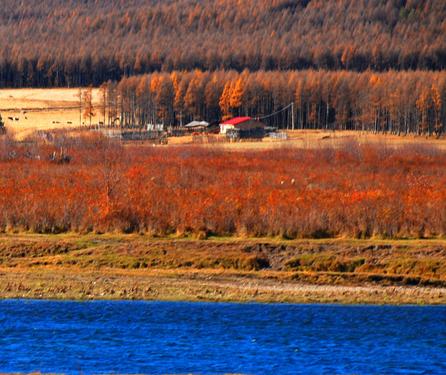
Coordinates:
[61,42]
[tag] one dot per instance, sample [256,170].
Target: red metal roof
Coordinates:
[236,121]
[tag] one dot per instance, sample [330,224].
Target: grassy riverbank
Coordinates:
[222,269]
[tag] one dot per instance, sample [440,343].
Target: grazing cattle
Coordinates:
[16,119]
[69,122]
[11,118]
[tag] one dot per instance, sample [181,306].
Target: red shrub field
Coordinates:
[351,190]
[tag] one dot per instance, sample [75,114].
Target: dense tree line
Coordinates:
[350,190]
[75,43]
[395,102]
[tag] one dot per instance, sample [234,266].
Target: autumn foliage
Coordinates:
[353,190]
[394,102]
[77,43]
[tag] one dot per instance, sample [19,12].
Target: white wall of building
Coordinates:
[225,127]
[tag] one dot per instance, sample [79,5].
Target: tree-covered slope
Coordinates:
[61,42]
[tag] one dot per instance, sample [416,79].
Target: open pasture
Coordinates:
[27,110]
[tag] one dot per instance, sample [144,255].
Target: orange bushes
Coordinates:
[358,191]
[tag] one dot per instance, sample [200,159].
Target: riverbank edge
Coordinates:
[137,267]
[202,287]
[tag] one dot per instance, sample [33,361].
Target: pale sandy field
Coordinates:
[27,110]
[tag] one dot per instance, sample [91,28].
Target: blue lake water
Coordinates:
[206,338]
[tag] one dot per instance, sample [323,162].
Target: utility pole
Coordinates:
[292,115]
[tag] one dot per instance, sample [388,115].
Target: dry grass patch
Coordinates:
[27,110]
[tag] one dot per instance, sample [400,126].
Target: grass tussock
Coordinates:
[138,267]
[347,260]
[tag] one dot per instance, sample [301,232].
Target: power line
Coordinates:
[275,113]
[291,105]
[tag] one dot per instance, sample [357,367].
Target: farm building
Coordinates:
[243,127]
[203,127]
[197,126]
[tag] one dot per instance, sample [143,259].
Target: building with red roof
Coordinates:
[242,125]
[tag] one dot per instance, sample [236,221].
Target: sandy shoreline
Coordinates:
[200,286]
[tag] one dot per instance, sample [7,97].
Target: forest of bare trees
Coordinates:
[394,102]
[77,43]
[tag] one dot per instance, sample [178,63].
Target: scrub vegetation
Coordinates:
[92,184]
